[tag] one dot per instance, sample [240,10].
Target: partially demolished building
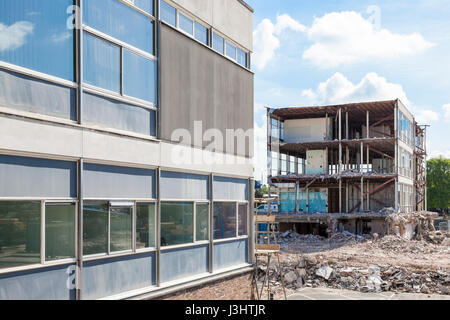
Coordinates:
[346,167]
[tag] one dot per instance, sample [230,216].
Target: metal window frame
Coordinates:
[149,248]
[43,263]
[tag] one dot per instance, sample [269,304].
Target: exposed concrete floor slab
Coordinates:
[336,294]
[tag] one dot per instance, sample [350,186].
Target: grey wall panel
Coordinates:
[209,88]
[185,262]
[118,115]
[184,186]
[108,182]
[54,283]
[230,189]
[33,177]
[108,277]
[32,95]
[228,254]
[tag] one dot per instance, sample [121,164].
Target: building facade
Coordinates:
[109,188]
[344,167]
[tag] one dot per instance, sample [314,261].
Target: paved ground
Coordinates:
[335,294]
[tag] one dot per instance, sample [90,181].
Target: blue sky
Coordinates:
[329,51]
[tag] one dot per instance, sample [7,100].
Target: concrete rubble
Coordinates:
[348,261]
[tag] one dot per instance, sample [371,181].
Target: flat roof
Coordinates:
[355,110]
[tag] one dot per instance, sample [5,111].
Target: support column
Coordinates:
[362,195]
[347,129]
[250,228]
[367,124]
[346,197]
[296,197]
[307,200]
[340,195]
[362,157]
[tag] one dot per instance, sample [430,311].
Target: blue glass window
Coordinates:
[241,57]
[120,21]
[34,35]
[168,13]
[146,5]
[217,43]
[231,51]
[201,33]
[139,77]
[186,24]
[101,63]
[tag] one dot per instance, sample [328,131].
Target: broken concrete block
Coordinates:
[325,272]
[290,277]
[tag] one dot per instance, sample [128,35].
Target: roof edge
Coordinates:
[245,4]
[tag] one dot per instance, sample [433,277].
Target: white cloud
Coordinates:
[339,90]
[13,37]
[438,153]
[446,108]
[266,41]
[346,37]
[426,116]
[61,37]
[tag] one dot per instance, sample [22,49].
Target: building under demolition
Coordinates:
[346,167]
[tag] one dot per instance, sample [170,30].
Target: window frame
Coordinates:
[43,262]
[236,235]
[195,242]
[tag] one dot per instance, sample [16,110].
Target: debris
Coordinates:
[325,272]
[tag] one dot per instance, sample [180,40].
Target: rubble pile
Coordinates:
[415,225]
[348,261]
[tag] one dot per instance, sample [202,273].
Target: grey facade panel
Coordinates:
[118,115]
[117,275]
[228,254]
[35,178]
[185,262]
[230,189]
[209,88]
[184,186]
[107,182]
[53,283]
[24,93]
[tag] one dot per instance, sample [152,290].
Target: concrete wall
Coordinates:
[201,85]
[305,130]
[36,137]
[230,17]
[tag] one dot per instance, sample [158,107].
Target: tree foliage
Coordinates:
[438,180]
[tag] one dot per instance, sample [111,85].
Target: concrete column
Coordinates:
[346,197]
[307,200]
[340,195]
[362,156]
[362,195]
[367,124]
[347,129]
[296,197]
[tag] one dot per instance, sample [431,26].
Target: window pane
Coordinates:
[217,43]
[59,231]
[177,223]
[224,220]
[146,5]
[120,22]
[241,57]
[101,63]
[242,216]
[34,35]
[185,23]
[231,51]
[202,223]
[168,13]
[201,33]
[145,226]
[20,234]
[139,77]
[95,228]
[121,229]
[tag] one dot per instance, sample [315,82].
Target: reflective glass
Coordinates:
[121,229]
[101,63]
[217,43]
[177,223]
[95,227]
[202,223]
[59,231]
[20,233]
[168,13]
[201,33]
[139,76]
[242,219]
[231,51]
[185,23]
[35,34]
[241,57]
[146,5]
[145,226]
[119,21]
[224,220]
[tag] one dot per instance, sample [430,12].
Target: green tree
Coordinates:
[438,181]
